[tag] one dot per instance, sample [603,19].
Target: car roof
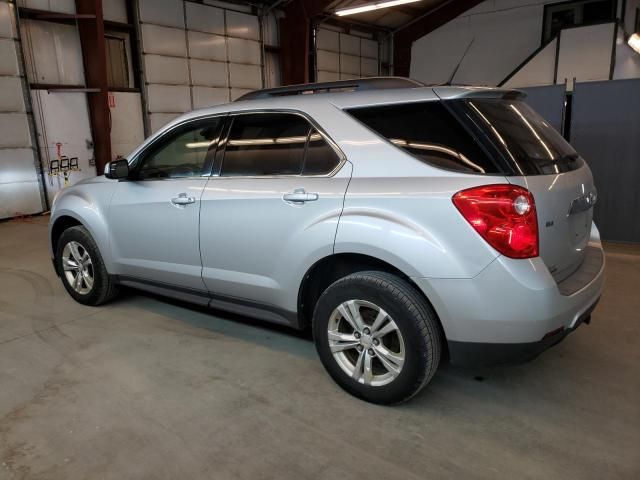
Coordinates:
[347,99]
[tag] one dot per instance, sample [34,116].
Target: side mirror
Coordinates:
[117,169]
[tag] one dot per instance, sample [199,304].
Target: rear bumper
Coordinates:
[513,310]
[484,354]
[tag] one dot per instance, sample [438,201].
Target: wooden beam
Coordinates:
[295,33]
[95,68]
[404,37]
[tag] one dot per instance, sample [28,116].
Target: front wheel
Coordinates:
[80,265]
[377,337]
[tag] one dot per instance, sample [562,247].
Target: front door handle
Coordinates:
[299,195]
[182,199]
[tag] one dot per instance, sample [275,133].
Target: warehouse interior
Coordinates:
[146,387]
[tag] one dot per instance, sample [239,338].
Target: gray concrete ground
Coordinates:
[144,388]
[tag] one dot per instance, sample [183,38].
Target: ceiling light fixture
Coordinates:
[634,42]
[372,6]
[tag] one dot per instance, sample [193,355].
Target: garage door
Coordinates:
[340,56]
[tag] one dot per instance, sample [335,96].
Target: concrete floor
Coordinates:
[144,388]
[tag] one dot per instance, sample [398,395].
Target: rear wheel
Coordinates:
[81,267]
[377,337]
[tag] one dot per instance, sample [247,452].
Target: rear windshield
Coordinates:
[482,136]
[429,132]
[527,140]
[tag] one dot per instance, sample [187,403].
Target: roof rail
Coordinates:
[371,83]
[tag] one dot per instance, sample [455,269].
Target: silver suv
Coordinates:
[404,224]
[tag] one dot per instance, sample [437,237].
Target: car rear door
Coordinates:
[153,216]
[270,209]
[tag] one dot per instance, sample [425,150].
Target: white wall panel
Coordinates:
[349,64]
[19,179]
[11,99]
[169,98]
[64,116]
[344,56]
[369,48]
[585,53]
[62,6]
[368,67]
[324,76]
[17,165]
[52,53]
[206,97]
[114,10]
[242,25]
[245,76]
[328,40]
[204,18]
[127,131]
[164,41]
[207,46]
[7,27]
[349,44]
[14,130]
[211,74]
[162,12]
[8,57]
[159,120]
[538,71]
[243,51]
[272,70]
[166,70]
[271,33]
[217,52]
[22,198]
[328,61]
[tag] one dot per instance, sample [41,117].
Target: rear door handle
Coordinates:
[299,195]
[182,199]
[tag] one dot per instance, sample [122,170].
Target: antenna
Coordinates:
[455,70]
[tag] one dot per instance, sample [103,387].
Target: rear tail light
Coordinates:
[504,215]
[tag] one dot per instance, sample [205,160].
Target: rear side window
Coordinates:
[429,132]
[320,157]
[265,144]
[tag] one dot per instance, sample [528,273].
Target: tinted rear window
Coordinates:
[429,132]
[525,138]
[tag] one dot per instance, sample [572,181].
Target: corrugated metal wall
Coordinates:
[196,55]
[340,56]
[20,186]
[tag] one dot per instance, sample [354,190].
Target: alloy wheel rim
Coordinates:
[366,342]
[78,267]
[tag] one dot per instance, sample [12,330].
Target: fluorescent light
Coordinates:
[372,6]
[634,42]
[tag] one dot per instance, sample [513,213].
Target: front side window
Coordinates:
[267,144]
[184,152]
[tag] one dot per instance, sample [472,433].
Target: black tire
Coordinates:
[104,288]
[414,317]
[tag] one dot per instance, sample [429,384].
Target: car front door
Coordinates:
[153,216]
[269,210]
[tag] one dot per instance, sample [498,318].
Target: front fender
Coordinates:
[88,204]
